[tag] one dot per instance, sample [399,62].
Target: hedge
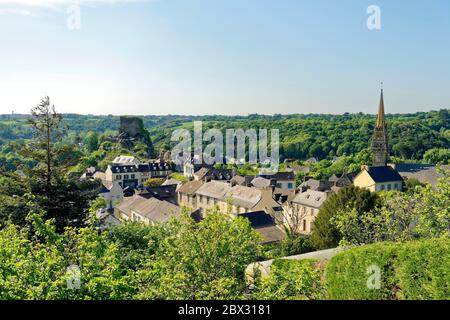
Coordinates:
[292,279]
[413,270]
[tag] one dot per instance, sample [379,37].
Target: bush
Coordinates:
[292,279]
[413,270]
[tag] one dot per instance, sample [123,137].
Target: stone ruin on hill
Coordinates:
[131,132]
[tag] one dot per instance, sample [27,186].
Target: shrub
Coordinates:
[292,279]
[413,270]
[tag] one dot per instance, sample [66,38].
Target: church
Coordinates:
[380,176]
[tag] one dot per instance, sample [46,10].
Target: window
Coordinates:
[126,177]
[304,225]
[118,177]
[389,187]
[290,185]
[133,176]
[395,186]
[382,187]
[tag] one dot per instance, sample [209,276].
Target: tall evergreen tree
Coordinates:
[62,197]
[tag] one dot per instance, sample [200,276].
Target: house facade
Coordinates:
[377,179]
[301,211]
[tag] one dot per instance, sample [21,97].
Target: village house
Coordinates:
[128,171]
[283,180]
[111,192]
[301,211]
[378,179]
[204,196]
[186,194]
[148,211]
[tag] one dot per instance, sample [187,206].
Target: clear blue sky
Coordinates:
[224,56]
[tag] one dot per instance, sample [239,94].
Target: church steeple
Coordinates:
[380,141]
[380,119]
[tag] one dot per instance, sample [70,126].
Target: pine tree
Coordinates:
[62,197]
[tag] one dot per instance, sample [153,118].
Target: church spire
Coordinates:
[381,123]
[380,140]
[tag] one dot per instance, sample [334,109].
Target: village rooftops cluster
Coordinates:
[269,202]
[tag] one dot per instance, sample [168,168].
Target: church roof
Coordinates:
[383,174]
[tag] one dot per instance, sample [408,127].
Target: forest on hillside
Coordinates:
[301,135]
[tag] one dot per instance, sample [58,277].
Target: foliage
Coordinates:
[203,260]
[325,234]
[413,270]
[153,182]
[437,156]
[399,216]
[179,177]
[42,266]
[301,136]
[292,280]
[62,197]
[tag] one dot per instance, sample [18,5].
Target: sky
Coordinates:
[230,57]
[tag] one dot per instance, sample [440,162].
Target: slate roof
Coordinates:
[161,192]
[190,187]
[383,174]
[122,160]
[245,196]
[127,203]
[281,176]
[214,189]
[282,195]
[242,196]
[264,224]
[151,167]
[260,182]
[310,198]
[317,185]
[214,174]
[271,234]
[257,218]
[124,169]
[240,180]
[422,172]
[156,210]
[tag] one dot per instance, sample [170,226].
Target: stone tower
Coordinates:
[380,147]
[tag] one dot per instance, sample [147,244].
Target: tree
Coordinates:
[13,189]
[78,264]
[437,156]
[91,141]
[153,182]
[203,260]
[423,213]
[325,234]
[64,198]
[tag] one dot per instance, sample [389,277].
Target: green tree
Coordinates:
[325,234]
[62,197]
[399,216]
[437,156]
[203,260]
[91,141]
[153,182]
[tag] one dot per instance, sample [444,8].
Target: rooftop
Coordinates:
[383,174]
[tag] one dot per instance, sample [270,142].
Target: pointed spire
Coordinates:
[380,120]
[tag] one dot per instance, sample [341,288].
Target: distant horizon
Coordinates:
[229,115]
